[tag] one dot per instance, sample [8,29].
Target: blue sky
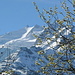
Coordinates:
[16,14]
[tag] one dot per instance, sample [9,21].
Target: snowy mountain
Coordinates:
[15,45]
[18,49]
[23,37]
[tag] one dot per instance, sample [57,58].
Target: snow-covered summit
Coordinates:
[23,37]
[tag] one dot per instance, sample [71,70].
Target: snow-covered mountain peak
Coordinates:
[21,38]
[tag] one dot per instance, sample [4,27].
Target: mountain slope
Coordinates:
[21,61]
